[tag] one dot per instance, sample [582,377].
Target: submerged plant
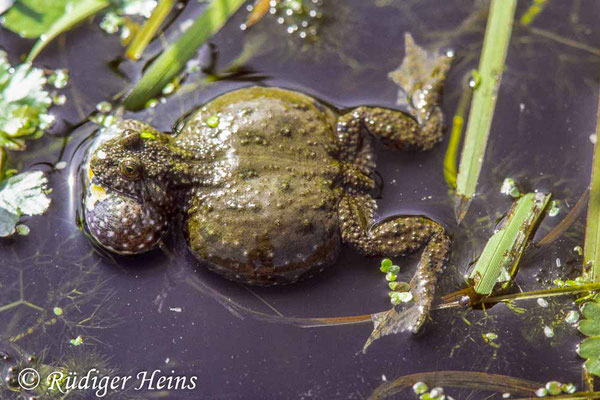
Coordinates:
[44,20]
[24,103]
[21,195]
[24,115]
[173,60]
[485,93]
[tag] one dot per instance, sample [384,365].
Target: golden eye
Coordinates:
[130,169]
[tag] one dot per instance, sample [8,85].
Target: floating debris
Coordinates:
[117,17]
[542,302]
[553,388]
[569,388]
[59,99]
[554,208]
[104,107]
[572,317]
[78,341]
[111,22]
[548,331]
[420,388]
[400,297]
[142,8]
[509,188]
[59,78]
[22,230]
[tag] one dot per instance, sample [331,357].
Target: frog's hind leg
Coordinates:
[397,236]
[394,128]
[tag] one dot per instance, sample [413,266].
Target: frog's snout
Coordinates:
[122,224]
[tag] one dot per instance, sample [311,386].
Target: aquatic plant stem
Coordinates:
[173,60]
[261,7]
[458,379]
[487,83]
[574,396]
[147,32]
[567,220]
[458,121]
[591,249]
[316,322]
[2,163]
[79,11]
[562,40]
[500,257]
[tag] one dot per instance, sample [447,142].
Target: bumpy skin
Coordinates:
[121,223]
[271,182]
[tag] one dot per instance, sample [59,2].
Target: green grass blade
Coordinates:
[591,249]
[172,61]
[147,32]
[500,257]
[78,12]
[491,66]
[458,121]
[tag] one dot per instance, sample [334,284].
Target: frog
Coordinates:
[270,183]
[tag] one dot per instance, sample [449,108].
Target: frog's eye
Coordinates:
[131,139]
[130,169]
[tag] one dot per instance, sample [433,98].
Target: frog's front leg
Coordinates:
[397,236]
[394,128]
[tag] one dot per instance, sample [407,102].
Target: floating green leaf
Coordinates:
[173,60]
[33,18]
[500,258]
[485,94]
[589,348]
[590,325]
[74,13]
[22,194]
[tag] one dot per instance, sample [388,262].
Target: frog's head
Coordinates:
[138,162]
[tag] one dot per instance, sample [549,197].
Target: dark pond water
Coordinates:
[163,311]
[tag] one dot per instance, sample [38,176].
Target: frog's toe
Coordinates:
[122,224]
